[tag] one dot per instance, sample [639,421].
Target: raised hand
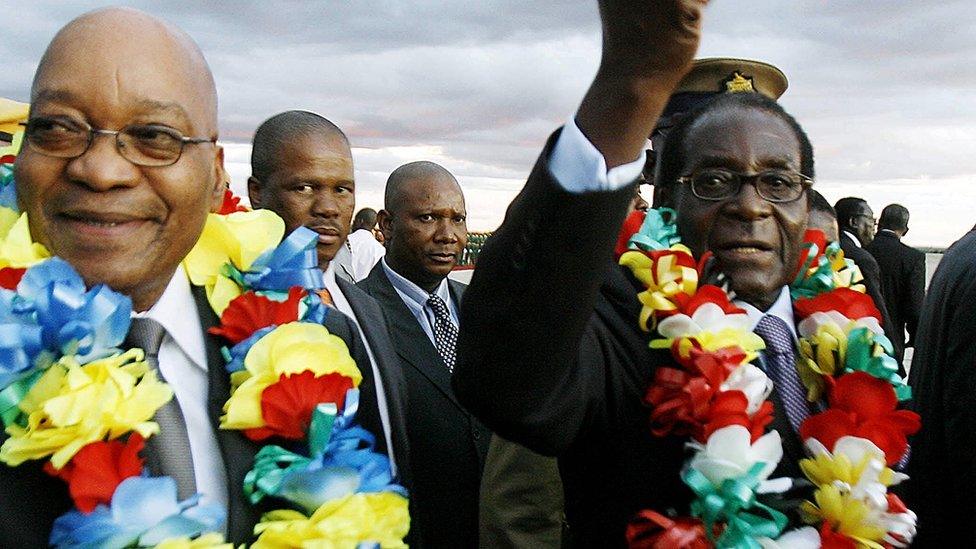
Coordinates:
[648,46]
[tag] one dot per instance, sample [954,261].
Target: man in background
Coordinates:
[902,273]
[302,169]
[856,221]
[823,217]
[363,246]
[424,224]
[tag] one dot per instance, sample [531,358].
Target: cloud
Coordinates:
[885,90]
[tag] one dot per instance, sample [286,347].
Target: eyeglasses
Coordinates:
[771,185]
[142,144]
[873,220]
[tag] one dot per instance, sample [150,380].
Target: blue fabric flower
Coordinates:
[294,262]
[143,513]
[52,315]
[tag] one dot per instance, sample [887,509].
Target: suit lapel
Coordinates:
[409,339]
[237,451]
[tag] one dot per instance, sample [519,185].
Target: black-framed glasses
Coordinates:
[874,220]
[142,144]
[771,185]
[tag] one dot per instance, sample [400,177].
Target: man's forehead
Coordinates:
[119,60]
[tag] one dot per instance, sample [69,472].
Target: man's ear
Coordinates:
[254,192]
[385,222]
[220,181]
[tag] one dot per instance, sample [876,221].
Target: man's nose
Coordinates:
[102,167]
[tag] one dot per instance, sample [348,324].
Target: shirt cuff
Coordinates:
[579,167]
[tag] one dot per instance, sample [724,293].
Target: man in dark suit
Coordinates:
[902,273]
[126,218]
[424,227]
[302,169]
[551,355]
[857,224]
[943,380]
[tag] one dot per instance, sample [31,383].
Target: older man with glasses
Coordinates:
[118,174]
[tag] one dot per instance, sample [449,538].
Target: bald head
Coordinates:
[119,45]
[409,176]
[116,218]
[424,223]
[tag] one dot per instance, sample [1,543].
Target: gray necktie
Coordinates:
[781,366]
[168,452]
[445,332]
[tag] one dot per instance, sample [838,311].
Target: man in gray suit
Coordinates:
[425,229]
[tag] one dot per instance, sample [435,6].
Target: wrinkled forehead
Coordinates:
[112,79]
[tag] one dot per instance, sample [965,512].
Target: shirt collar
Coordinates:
[857,241]
[781,308]
[171,310]
[412,291]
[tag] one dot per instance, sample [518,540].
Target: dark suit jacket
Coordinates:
[373,323]
[551,357]
[902,282]
[447,445]
[872,283]
[943,379]
[30,500]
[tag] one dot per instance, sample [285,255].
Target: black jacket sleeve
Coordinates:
[520,369]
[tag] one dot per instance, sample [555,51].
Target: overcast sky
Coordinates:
[886,89]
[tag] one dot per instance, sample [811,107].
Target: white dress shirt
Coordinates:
[366,252]
[183,363]
[341,303]
[857,241]
[415,298]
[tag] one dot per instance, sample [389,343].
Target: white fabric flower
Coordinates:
[730,453]
[801,538]
[753,382]
[707,318]
[809,325]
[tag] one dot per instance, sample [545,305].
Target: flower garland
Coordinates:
[71,396]
[717,396]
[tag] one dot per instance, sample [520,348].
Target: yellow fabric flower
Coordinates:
[664,278]
[826,469]
[239,239]
[821,355]
[73,405]
[206,541]
[288,349]
[846,515]
[17,249]
[342,523]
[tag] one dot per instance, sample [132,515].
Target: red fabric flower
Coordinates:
[850,303]
[10,277]
[706,294]
[631,225]
[7,159]
[680,400]
[230,204]
[249,312]
[287,406]
[729,408]
[96,470]
[651,530]
[864,406]
[832,540]
[818,239]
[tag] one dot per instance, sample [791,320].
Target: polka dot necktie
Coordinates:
[781,368]
[445,332]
